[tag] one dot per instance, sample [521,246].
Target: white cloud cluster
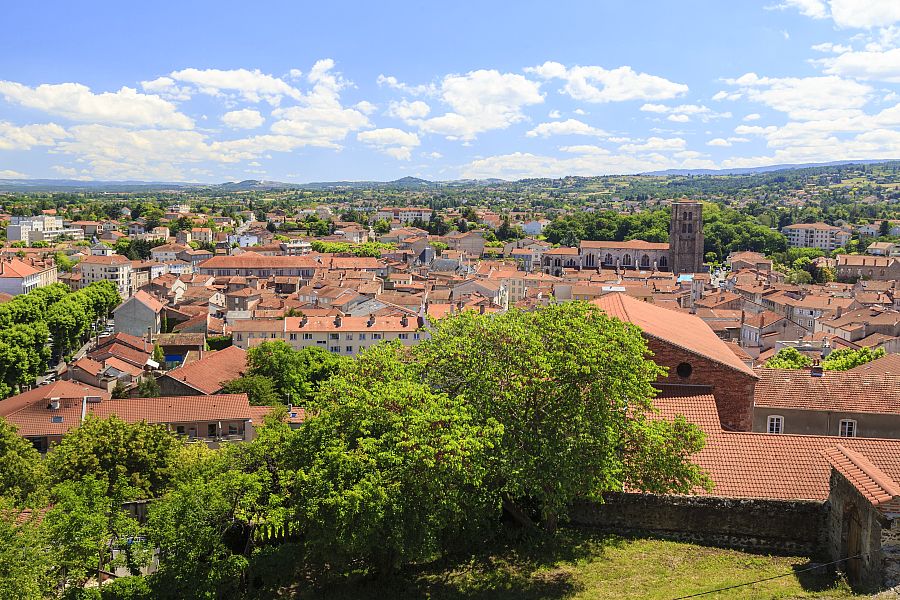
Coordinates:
[684,112]
[480,101]
[77,102]
[856,14]
[390,140]
[408,111]
[567,127]
[245,118]
[13,137]
[599,85]
[253,86]
[806,98]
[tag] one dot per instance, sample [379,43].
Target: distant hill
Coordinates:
[765,169]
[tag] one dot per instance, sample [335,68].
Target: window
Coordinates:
[349,336]
[403,336]
[348,349]
[211,430]
[293,337]
[322,342]
[847,428]
[362,337]
[240,336]
[179,429]
[376,336]
[416,336]
[334,336]
[684,370]
[232,429]
[307,336]
[775,424]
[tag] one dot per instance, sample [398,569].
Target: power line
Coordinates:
[740,585]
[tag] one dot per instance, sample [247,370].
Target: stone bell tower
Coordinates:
[686,237]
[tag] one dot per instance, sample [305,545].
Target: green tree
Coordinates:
[394,468]
[788,358]
[573,390]
[158,355]
[84,525]
[848,358]
[136,460]
[259,389]
[23,477]
[148,388]
[24,563]
[381,227]
[295,373]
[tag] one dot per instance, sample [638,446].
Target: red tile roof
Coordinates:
[889,364]
[680,329]
[211,372]
[869,480]
[846,391]
[629,245]
[776,466]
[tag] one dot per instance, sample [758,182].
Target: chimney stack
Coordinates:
[338,320]
[371,321]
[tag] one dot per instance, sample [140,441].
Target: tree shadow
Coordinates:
[814,577]
[534,567]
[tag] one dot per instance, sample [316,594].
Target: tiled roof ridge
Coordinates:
[864,465]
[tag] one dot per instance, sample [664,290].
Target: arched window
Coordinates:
[609,259]
[663,262]
[557,263]
[589,260]
[645,262]
[626,260]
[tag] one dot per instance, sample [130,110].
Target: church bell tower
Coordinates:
[686,237]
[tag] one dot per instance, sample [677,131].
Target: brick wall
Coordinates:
[732,389]
[778,526]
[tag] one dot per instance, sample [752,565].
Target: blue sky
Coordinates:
[291,91]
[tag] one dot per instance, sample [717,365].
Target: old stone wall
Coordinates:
[777,526]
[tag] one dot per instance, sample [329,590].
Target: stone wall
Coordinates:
[776,526]
[732,389]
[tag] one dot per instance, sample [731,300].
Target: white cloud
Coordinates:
[434,155]
[13,137]
[416,90]
[481,101]
[683,112]
[831,47]
[408,111]
[243,119]
[719,142]
[865,14]
[868,65]
[77,102]
[365,107]
[723,95]
[554,114]
[319,119]
[753,117]
[584,149]
[655,144]
[580,111]
[678,118]
[10,174]
[816,9]
[253,86]
[806,98]
[567,127]
[390,140]
[596,84]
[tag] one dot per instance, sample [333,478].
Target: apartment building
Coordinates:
[816,235]
[404,215]
[115,268]
[20,277]
[339,334]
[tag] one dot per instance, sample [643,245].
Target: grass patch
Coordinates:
[582,565]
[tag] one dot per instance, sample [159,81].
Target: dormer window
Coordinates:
[775,424]
[847,428]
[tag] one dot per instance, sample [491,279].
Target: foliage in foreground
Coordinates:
[407,455]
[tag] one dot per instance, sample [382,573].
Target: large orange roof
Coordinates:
[211,372]
[680,329]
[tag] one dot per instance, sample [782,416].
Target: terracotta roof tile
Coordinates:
[681,329]
[211,372]
[846,391]
[868,479]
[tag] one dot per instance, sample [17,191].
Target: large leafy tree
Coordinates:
[136,460]
[23,478]
[84,524]
[260,390]
[572,388]
[848,358]
[392,468]
[24,564]
[788,358]
[296,374]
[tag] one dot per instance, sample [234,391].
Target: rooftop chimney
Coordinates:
[404,320]
[816,371]
[338,320]
[420,321]
[371,321]
[54,404]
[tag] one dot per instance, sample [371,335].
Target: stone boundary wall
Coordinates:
[792,527]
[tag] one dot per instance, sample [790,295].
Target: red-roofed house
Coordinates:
[206,375]
[139,315]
